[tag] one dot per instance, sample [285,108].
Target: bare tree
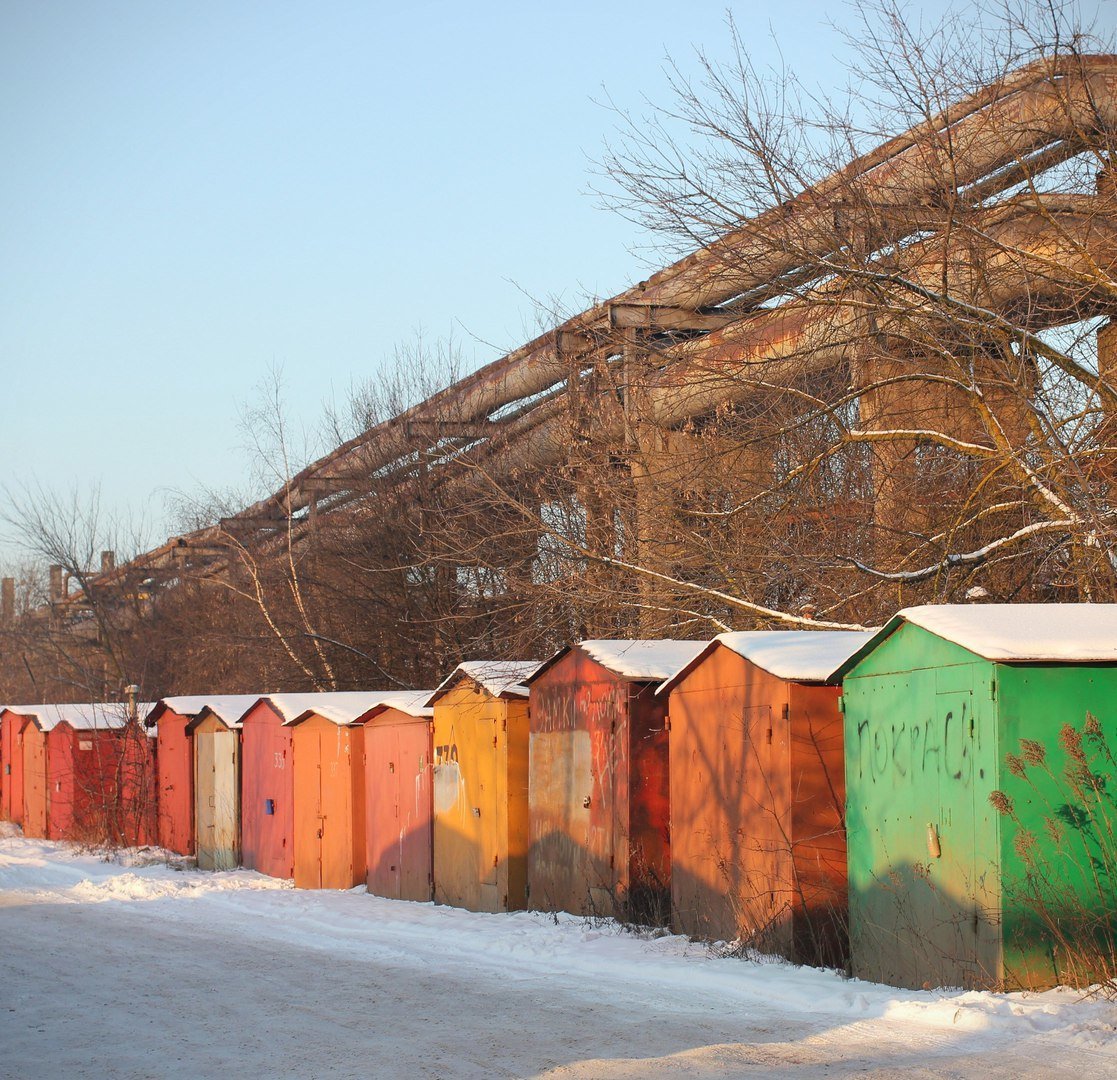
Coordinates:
[908,395]
[882,374]
[74,632]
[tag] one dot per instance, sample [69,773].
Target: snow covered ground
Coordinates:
[147,971]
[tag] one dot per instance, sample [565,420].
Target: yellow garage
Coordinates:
[480,786]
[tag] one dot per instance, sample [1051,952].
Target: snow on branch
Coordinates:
[967,558]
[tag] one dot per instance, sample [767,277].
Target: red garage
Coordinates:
[12,720]
[598,778]
[88,775]
[170,718]
[99,773]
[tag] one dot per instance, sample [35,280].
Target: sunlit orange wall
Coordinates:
[329,834]
[757,788]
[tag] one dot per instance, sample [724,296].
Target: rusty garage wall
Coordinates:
[599,781]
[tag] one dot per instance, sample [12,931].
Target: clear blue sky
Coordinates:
[195,193]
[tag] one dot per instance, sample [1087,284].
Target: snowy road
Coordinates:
[146,971]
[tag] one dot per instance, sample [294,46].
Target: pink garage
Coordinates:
[302,788]
[267,814]
[170,719]
[268,796]
[399,744]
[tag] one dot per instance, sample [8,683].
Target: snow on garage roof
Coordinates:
[104,715]
[643,659]
[501,678]
[1072,633]
[228,708]
[796,655]
[632,658]
[340,707]
[411,702]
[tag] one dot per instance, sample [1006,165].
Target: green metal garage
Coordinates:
[978,783]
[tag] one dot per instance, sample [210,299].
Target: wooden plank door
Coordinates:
[225,801]
[204,799]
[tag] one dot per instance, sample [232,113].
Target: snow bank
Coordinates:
[489,949]
[63,873]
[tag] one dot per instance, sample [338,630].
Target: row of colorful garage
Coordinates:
[781,787]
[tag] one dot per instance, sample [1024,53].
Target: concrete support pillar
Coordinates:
[917,482]
[57,585]
[597,489]
[7,601]
[894,463]
[655,542]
